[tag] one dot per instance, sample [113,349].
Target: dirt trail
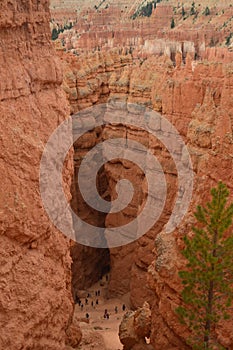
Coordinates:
[101,333]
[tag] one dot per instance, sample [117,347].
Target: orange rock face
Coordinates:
[196,98]
[111,26]
[135,326]
[35,299]
[35,283]
[207,125]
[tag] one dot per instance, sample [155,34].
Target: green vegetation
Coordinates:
[146,11]
[172,23]
[228,39]
[56,32]
[183,11]
[100,4]
[193,9]
[207,11]
[67,26]
[208,278]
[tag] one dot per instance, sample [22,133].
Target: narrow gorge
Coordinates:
[196,98]
[103,56]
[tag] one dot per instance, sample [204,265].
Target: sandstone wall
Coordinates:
[111,27]
[198,102]
[35,264]
[196,98]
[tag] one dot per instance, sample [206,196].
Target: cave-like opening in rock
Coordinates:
[89,264]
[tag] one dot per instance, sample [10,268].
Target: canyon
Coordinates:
[196,98]
[107,25]
[186,75]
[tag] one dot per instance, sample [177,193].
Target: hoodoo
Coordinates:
[141,80]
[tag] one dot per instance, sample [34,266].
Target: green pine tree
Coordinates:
[172,23]
[54,34]
[207,11]
[208,279]
[183,11]
[228,39]
[193,9]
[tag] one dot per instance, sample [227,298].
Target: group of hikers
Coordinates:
[80,303]
[106,313]
[94,303]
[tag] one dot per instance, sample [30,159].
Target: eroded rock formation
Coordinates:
[35,274]
[135,328]
[209,135]
[178,74]
[111,26]
[196,98]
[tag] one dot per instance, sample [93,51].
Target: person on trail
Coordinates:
[105,313]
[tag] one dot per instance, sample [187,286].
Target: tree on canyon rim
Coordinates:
[208,279]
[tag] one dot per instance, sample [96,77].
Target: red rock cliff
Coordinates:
[196,98]
[35,297]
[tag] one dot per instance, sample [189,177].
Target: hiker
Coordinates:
[105,313]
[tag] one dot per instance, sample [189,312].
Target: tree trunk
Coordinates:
[210,298]
[208,314]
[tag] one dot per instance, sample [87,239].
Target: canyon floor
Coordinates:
[100,333]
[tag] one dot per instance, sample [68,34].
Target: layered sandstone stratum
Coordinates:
[195,95]
[173,71]
[36,304]
[186,74]
[106,25]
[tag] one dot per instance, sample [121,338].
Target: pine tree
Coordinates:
[207,11]
[183,11]
[193,10]
[54,34]
[228,39]
[172,23]
[208,279]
